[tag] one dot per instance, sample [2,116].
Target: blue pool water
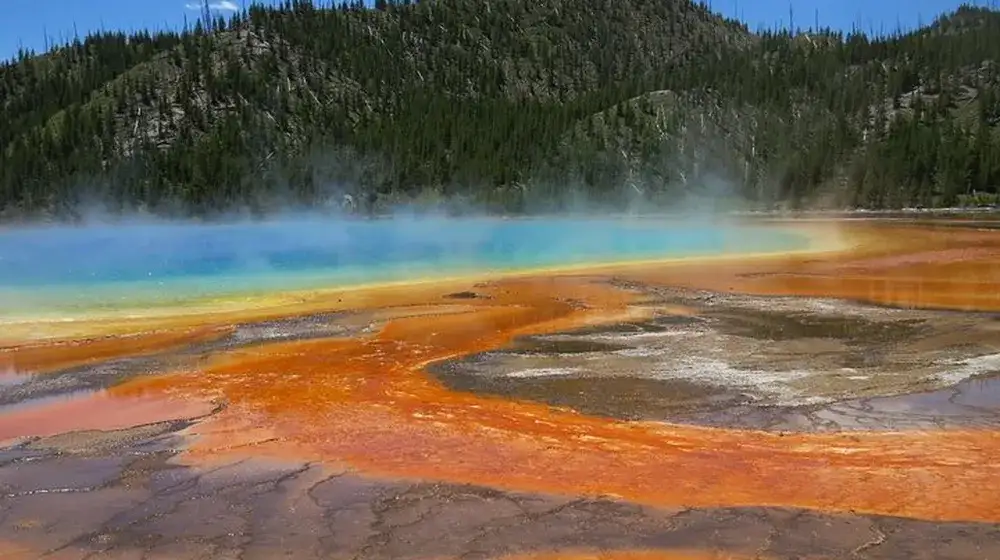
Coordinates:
[110,265]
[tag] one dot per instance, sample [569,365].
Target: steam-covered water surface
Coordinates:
[63,268]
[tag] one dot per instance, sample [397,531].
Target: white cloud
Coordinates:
[220,6]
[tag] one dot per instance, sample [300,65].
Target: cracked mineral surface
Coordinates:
[829,405]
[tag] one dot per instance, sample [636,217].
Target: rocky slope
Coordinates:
[515,105]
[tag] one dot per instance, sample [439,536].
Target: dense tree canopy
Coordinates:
[512,104]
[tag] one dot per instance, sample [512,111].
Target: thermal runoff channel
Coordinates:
[79,269]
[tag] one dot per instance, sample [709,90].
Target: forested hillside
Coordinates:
[510,105]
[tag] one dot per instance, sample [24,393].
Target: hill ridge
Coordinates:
[503,105]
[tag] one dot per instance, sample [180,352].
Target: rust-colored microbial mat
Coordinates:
[93,412]
[629,555]
[366,402]
[39,357]
[891,264]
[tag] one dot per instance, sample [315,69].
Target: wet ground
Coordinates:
[125,494]
[122,495]
[715,421]
[758,362]
[21,389]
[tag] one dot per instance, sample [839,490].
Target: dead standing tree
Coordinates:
[206,16]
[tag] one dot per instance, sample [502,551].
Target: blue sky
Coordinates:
[877,15]
[28,22]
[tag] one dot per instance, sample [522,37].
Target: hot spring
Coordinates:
[68,271]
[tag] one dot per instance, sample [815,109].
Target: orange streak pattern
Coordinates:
[53,355]
[630,555]
[94,412]
[934,268]
[367,402]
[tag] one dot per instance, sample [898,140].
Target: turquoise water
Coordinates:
[63,268]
